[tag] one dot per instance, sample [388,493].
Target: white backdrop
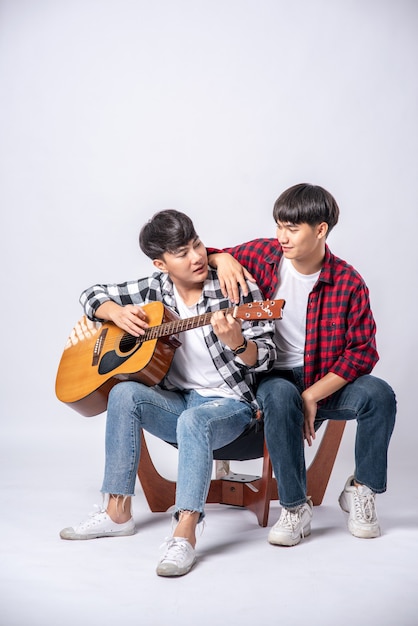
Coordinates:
[114,109]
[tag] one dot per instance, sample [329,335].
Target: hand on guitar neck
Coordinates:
[228,329]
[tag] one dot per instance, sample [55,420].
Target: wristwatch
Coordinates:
[242,348]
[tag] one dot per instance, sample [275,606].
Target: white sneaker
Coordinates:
[293,524]
[99,524]
[178,559]
[359,503]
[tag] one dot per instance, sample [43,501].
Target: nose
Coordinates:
[196,256]
[282,236]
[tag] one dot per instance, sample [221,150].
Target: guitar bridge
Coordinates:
[98,347]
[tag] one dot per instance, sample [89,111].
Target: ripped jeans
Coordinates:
[198,425]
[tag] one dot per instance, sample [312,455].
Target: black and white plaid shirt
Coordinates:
[159,287]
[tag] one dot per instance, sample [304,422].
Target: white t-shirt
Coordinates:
[192,366]
[289,337]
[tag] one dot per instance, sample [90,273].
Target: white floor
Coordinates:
[330,578]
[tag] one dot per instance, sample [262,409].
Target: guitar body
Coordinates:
[97,356]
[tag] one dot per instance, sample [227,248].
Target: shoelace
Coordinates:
[97,510]
[364,505]
[175,549]
[290,519]
[92,517]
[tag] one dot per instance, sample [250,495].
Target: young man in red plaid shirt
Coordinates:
[326,351]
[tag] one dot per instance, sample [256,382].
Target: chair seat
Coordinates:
[247,447]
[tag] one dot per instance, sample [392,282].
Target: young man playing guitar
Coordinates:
[205,401]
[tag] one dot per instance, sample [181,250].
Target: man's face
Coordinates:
[187,266]
[301,242]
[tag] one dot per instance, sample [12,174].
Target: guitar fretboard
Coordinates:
[177,326]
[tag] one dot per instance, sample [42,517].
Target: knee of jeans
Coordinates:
[188,422]
[128,393]
[278,393]
[379,392]
[121,390]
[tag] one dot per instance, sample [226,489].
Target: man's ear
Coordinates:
[160,265]
[322,230]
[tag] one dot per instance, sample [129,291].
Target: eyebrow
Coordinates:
[183,248]
[179,250]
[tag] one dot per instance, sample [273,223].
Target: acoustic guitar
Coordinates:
[99,355]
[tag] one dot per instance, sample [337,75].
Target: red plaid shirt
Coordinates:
[340,328]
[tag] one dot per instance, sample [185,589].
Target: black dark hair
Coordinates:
[308,204]
[166,231]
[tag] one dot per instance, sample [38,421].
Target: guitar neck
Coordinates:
[177,326]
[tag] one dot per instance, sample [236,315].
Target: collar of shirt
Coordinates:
[211,287]
[326,275]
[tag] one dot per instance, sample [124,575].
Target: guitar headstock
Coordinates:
[260,310]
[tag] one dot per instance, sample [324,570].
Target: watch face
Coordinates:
[241,349]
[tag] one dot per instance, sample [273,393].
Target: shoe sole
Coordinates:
[76,537]
[289,541]
[361,533]
[167,573]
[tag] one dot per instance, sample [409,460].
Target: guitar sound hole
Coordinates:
[128,343]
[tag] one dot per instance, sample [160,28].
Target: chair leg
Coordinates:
[259,501]
[320,469]
[159,491]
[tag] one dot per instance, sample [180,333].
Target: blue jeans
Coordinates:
[196,424]
[368,399]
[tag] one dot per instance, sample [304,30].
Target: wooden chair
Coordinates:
[252,492]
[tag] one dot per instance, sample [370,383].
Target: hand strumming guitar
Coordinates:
[130,318]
